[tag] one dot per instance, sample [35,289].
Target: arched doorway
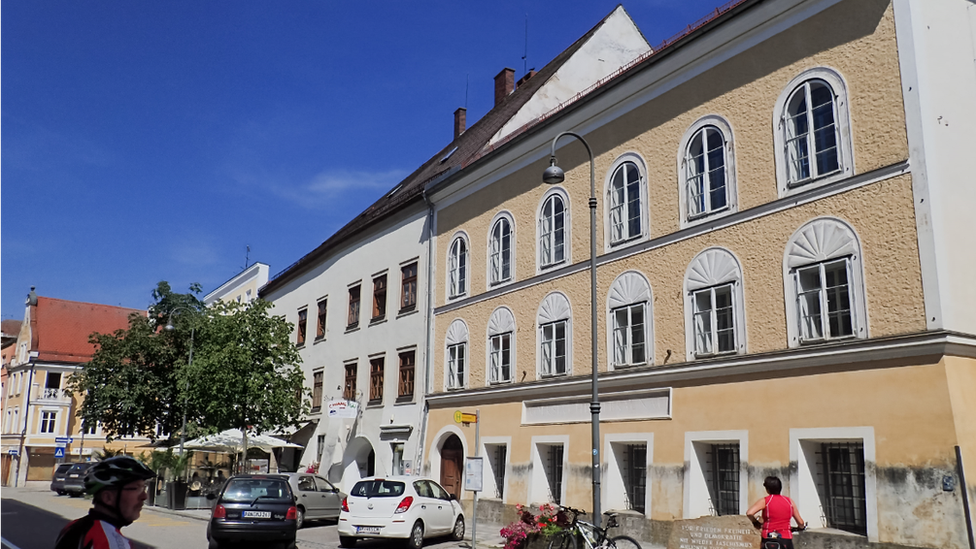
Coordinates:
[452,465]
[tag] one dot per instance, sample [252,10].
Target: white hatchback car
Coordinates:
[400,507]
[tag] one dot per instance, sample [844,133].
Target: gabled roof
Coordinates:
[456,155]
[60,328]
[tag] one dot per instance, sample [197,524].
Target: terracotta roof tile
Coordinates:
[60,328]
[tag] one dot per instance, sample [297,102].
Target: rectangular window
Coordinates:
[323,307]
[405,385]
[635,477]
[714,319]
[90,429]
[628,335]
[554,471]
[497,457]
[554,348]
[824,287]
[501,358]
[319,448]
[317,391]
[48,420]
[398,465]
[379,297]
[408,290]
[843,493]
[723,473]
[302,325]
[349,390]
[52,385]
[353,320]
[376,380]
[455,366]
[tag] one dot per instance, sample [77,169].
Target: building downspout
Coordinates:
[23,432]
[965,498]
[418,464]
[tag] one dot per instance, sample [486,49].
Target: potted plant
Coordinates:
[529,530]
[156,460]
[177,488]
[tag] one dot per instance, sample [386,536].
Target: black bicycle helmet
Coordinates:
[115,472]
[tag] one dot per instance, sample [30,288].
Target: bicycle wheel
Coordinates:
[624,542]
[564,540]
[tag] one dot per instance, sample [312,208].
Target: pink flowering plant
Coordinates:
[548,522]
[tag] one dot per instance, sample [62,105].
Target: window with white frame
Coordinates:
[457,267]
[501,345]
[625,200]
[496,463]
[500,250]
[714,309]
[48,421]
[456,359]
[6,421]
[630,307]
[813,130]
[552,229]
[555,335]
[823,275]
[707,168]
[716,477]
[835,477]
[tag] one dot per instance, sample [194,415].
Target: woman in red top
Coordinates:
[777,510]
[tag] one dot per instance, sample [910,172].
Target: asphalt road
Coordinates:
[31,518]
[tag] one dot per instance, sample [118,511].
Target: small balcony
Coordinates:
[53,395]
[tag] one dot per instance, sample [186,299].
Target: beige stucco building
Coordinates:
[784,268]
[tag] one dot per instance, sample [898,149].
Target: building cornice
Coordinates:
[885,352]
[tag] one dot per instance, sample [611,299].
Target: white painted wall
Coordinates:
[937,47]
[384,248]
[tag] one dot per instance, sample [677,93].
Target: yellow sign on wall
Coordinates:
[464,417]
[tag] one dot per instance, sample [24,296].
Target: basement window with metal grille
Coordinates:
[635,483]
[554,471]
[842,491]
[723,465]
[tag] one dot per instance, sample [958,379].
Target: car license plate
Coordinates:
[368,529]
[257,514]
[73,476]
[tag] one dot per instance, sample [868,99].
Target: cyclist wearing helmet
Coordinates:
[118,487]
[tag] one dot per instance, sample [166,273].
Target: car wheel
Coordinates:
[300,518]
[347,541]
[416,539]
[457,534]
[213,544]
[74,494]
[61,492]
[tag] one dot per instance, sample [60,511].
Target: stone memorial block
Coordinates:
[731,532]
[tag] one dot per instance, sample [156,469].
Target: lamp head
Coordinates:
[553,174]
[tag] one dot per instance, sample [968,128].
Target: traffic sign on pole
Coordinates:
[59,452]
[13,452]
[64,440]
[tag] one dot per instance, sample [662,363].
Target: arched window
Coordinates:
[552,229]
[456,376]
[457,267]
[714,310]
[707,169]
[629,307]
[500,244]
[813,130]
[823,275]
[626,196]
[555,335]
[501,345]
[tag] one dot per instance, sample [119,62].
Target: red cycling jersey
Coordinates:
[94,531]
[777,515]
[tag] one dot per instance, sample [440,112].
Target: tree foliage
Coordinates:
[246,373]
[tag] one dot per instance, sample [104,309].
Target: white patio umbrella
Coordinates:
[232,440]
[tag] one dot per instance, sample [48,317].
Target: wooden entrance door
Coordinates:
[452,465]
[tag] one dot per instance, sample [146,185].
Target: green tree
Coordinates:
[130,386]
[246,372]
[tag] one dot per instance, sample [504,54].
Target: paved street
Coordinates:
[33,516]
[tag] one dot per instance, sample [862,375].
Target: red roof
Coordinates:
[60,328]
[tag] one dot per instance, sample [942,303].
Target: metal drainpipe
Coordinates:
[965,498]
[23,432]
[430,311]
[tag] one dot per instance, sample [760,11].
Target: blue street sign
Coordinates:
[59,452]
[13,452]
[64,440]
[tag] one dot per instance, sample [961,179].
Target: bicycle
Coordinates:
[593,537]
[772,542]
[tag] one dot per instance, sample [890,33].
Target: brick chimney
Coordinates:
[460,121]
[504,84]
[522,80]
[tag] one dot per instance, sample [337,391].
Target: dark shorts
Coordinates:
[777,543]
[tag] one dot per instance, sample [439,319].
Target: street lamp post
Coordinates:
[552,176]
[170,328]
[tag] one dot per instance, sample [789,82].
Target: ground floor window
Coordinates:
[553,463]
[842,487]
[635,464]
[714,477]
[497,458]
[723,460]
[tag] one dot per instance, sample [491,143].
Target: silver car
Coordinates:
[315,497]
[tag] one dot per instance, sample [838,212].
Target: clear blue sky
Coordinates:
[146,141]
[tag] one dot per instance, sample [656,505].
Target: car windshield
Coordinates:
[378,488]
[79,468]
[250,490]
